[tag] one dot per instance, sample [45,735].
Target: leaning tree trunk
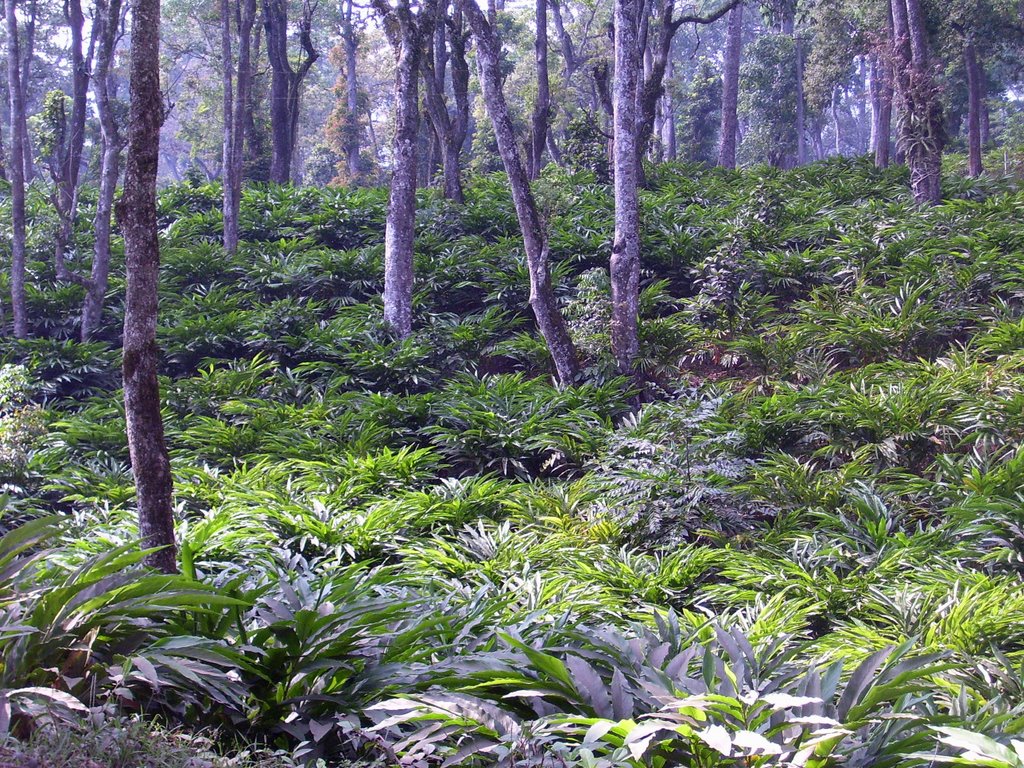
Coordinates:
[731,89]
[18,149]
[974,99]
[107,22]
[448,132]
[625,261]
[542,296]
[137,215]
[542,105]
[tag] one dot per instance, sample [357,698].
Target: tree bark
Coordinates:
[106,20]
[237,85]
[25,80]
[881,84]
[16,94]
[286,83]
[625,260]
[974,99]
[542,296]
[137,215]
[352,143]
[921,129]
[731,89]
[668,125]
[65,165]
[405,33]
[542,105]
[449,130]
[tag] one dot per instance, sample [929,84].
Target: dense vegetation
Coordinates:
[804,547]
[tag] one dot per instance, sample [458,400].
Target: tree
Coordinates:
[542,296]
[921,130]
[625,261]
[137,216]
[19,131]
[406,30]
[286,82]
[106,20]
[237,84]
[450,128]
[730,89]
[542,104]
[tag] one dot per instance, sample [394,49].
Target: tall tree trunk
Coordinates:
[107,22]
[731,89]
[800,128]
[3,154]
[352,143]
[921,128]
[449,132]
[625,261]
[230,203]
[137,215]
[668,125]
[286,83]
[405,33]
[65,167]
[542,296]
[881,82]
[835,121]
[237,85]
[28,53]
[974,99]
[542,105]
[16,94]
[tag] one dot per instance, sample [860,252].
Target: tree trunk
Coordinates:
[542,105]
[789,28]
[286,83]
[731,89]
[974,99]
[230,203]
[25,80]
[881,83]
[625,261]
[65,166]
[668,125]
[352,143]
[16,95]
[542,295]
[237,84]
[404,33]
[921,129]
[450,133]
[107,22]
[137,215]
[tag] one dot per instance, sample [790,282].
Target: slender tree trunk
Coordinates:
[65,167]
[542,295]
[400,227]
[230,204]
[881,128]
[137,214]
[789,28]
[625,261]
[542,105]
[107,19]
[3,162]
[731,89]
[25,81]
[16,95]
[974,99]
[668,126]
[835,122]
[352,143]
[449,133]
